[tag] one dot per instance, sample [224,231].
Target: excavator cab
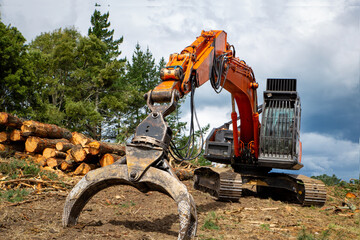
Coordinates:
[280,145]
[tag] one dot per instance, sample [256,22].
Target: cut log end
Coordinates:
[16,135]
[78,153]
[4,137]
[10,120]
[53,162]
[83,169]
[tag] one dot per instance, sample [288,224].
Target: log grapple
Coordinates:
[145,167]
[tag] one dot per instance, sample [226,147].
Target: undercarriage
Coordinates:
[225,184]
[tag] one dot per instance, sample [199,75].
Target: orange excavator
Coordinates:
[250,148]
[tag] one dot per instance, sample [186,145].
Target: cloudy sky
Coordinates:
[317,42]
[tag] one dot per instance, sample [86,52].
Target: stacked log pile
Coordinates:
[54,147]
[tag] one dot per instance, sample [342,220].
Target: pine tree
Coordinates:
[142,74]
[100,28]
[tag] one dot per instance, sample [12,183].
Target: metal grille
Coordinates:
[278,129]
[281,85]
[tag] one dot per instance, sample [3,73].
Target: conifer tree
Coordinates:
[100,28]
[142,74]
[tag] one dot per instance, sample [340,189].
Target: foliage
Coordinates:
[211,222]
[328,180]
[16,168]
[142,75]
[17,86]
[80,90]
[19,169]
[100,24]
[304,235]
[13,195]
[78,82]
[53,56]
[265,226]
[50,175]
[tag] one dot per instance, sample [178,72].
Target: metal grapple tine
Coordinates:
[117,174]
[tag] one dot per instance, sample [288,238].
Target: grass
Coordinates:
[265,226]
[49,175]
[13,195]
[304,235]
[127,204]
[210,222]
[18,168]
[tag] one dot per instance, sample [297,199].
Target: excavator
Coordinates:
[251,149]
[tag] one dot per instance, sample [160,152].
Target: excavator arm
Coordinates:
[210,58]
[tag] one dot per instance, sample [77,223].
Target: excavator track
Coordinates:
[224,184]
[230,186]
[315,191]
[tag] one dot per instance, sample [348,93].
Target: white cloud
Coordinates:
[213,115]
[324,154]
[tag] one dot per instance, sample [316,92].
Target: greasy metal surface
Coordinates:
[139,159]
[164,109]
[117,174]
[222,183]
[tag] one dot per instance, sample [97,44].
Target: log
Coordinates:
[78,153]
[15,136]
[80,139]
[36,144]
[108,159]
[67,165]
[23,155]
[63,147]
[33,128]
[54,162]
[96,147]
[183,174]
[10,120]
[52,153]
[40,160]
[4,137]
[3,147]
[15,147]
[83,169]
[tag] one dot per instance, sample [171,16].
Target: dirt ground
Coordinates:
[122,212]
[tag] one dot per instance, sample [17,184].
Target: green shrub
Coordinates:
[13,195]
[210,222]
[328,180]
[15,168]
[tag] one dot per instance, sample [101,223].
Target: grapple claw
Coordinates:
[117,174]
